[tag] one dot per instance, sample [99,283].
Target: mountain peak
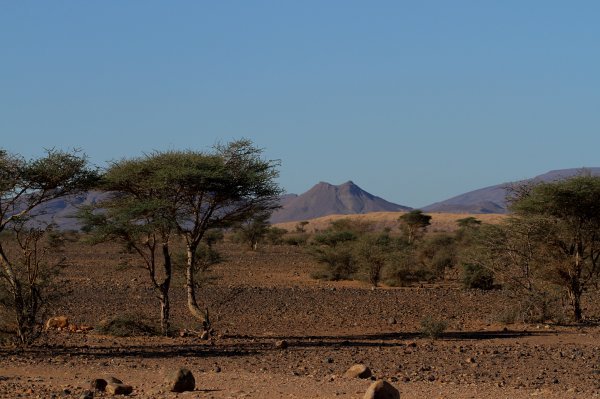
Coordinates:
[327,199]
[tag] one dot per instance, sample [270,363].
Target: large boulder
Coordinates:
[119,389]
[382,390]
[358,371]
[98,384]
[180,380]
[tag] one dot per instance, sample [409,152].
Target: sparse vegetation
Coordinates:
[25,262]
[477,277]
[432,327]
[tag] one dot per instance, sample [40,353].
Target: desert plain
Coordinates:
[259,298]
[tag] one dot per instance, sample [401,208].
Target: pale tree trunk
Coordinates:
[195,310]
[164,313]
[16,289]
[575,289]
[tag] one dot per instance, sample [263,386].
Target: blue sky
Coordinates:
[413,101]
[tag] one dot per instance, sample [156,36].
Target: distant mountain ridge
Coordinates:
[325,199]
[492,199]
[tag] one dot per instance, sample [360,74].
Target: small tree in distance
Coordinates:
[413,224]
[253,230]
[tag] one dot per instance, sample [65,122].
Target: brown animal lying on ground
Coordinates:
[61,323]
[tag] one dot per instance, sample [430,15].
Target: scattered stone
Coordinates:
[329,360]
[391,321]
[99,384]
[217,369]
[57,323]
[281,344]
[119,389]
[382,390]
[471,360]
[181,380]
[358,371]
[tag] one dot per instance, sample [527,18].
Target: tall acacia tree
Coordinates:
[135,212]
[569,212]
[25,186]
[215,190]
[197,191]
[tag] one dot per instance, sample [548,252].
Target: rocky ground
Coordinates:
[258,299]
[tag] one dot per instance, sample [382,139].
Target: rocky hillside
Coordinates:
[492,199]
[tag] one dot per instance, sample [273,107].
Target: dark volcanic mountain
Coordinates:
[493,199]
[326,199]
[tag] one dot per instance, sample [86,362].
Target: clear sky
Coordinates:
[415,101]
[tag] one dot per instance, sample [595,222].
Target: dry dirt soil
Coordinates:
[257,298]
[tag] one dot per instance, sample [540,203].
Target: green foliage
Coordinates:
[335,249]
[438,253]
[296,239]
[339,261]
[332,238]
[373,252]
[567,213]
[253,230]
[405,269]
[433,328]
[276,235]
[468,222]
[413,224]
[477,277]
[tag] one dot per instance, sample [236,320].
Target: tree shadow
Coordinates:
[246,345]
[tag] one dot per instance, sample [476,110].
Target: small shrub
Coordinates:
[477,277]
[126,326]
[296,239]
[339,263]
[432,327]
[275,235]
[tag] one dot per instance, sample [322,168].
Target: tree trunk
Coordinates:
[575,289]
[16,289]
[165,307]
[191,285]
[164,313]
[575,301]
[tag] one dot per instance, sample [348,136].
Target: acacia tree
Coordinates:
[373,252]
[25,186]
[134,215]
[254,230]
[199,191]
[216,190]
[413,224]
[569,212]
